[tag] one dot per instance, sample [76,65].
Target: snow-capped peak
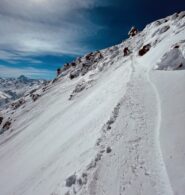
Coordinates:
[14,88]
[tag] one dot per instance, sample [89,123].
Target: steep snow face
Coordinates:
[105,125]
[64,131]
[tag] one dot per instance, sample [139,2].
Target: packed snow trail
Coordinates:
[135,166]
[172,124]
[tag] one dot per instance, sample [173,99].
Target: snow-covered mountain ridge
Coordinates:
[111,123]
[14,88]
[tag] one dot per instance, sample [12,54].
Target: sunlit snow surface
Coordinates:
[134,105]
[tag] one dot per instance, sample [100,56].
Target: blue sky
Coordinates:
[38,36]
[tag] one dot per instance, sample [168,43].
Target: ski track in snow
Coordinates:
[135,166]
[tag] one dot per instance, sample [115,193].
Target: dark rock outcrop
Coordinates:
[1,119]
[6,126]
[18,103]
[66,66]
[144,49]
[35,97]
[73,64]
[108,150]
[71,180]
[75,73]
[82,65]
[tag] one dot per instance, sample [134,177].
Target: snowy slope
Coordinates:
[108,125]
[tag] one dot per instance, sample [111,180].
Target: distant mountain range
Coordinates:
[14,88]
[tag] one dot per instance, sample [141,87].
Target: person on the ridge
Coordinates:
[133,31]
[126,51]
[58,71]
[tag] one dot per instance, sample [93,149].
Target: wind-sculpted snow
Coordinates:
[174,59]
[110,123]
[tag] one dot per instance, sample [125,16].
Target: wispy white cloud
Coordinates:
[38,27]
[31,72]
[14,57]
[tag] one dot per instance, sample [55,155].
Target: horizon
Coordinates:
[17,77]
[45,35]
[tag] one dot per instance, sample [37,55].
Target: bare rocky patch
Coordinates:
[81,86]
[18,103]
[144,49]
